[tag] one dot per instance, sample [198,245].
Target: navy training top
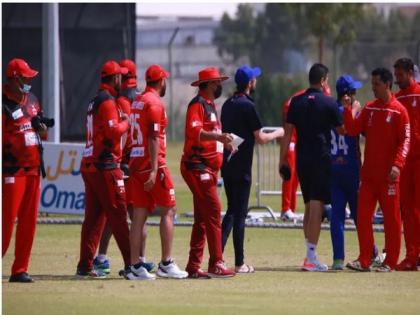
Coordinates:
[240,117]
[314,115]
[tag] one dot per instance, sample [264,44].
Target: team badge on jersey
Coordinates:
[388,118]
[414,104]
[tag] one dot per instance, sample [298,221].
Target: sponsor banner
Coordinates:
[62,190]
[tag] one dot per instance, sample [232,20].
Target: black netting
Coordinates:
[90,34]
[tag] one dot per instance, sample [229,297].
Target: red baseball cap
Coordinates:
[112,67]
[130,65]
[155,72]
[19,67]
[209,74]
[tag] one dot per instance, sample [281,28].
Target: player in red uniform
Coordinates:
[409,96]
[289,187]
[21,128]
[103,178]
[385,125]
[128,93]
[150,181]
[200,164]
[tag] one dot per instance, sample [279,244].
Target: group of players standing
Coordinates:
[123,167]
[328,164]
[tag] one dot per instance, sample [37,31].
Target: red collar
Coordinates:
[18,98]
[152,90]
[203,95]
[411,88]
[391,100]
[108,88]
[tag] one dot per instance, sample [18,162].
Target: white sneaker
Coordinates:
[314,265]
[171,271]
[378,260]
[289,215]
[140,273]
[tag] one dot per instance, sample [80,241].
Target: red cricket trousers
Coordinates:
[410,206]
[207,217]
[388,196]
[20,200]
[104,201]
[289,188]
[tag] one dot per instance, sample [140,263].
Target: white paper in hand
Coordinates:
[235,143]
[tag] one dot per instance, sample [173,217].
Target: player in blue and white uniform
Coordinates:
[345,169]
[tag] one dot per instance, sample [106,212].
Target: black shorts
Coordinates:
[315,180]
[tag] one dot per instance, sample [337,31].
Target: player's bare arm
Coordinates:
[284,146]
[153,148]
[263,137]
[225,138]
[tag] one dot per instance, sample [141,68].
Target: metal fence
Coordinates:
[268,181]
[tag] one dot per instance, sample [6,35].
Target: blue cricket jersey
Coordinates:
[345,151]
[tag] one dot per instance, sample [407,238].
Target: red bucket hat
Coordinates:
[19,67]
[130,65]
[209,74]
[155,72]
[112,67]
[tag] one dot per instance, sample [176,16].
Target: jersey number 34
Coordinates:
[338,145]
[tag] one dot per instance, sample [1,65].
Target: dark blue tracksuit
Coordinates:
[345,169]
[240,117]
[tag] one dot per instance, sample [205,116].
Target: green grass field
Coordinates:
[277,286]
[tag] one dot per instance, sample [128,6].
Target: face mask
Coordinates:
[24,88]
[218,92]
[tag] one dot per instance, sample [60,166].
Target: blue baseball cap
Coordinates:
[345,84]
[245,74]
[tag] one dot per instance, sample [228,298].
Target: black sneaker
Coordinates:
[22,277]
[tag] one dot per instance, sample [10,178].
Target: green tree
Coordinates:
[235,37]
[381,40]
[333,22]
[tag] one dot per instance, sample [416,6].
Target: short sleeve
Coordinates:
[336,115]
[292,112]
[253,118]
[194,121]
[124,104]
[154,117]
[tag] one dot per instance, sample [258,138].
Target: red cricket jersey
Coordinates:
[148,118]
[286,106]
[387,131]
[202,115]
[125,99]
[105,128]
[410,98]
[20,141]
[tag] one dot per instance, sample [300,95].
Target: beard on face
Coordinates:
[163,90]
[218,91]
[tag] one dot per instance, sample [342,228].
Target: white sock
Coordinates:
[310,251]
[142,258]
[102,258]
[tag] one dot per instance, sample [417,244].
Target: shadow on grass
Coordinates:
[65,278]
[285,269]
